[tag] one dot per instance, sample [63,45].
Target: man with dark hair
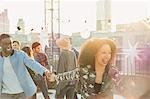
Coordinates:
[38,55]
[13,69]
[42,59]
[16,45]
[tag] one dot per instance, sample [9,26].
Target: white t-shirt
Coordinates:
[10,84]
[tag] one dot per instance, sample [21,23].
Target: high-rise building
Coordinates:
[4,22]
[103,15]
[52,27]
[52,16]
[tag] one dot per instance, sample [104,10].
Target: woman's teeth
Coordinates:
[8,49]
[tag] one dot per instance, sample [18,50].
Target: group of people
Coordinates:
[97,75]
[94,62]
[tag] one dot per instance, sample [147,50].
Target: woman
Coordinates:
[28,51]
[38,80]
[95,60]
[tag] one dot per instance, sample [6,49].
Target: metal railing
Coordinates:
[137,63]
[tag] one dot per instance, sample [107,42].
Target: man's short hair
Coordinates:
[16,42]
[3,36]
[35,44]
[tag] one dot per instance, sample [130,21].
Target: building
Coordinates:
[4,22]
[103,14]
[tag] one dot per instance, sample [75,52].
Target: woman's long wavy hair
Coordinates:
[90,48]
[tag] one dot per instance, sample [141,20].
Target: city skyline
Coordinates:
[33,14]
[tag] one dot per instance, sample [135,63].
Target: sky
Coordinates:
[125,11]
[31,11]
[77,11]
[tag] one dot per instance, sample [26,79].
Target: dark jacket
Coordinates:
[67,62]
[87,80]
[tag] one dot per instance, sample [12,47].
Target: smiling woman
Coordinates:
[95,60]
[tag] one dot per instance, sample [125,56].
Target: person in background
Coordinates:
[74,49]
[28,51]
[40,83]
[38,55]
[42,59]
[77,54]
[16,45]
[13,69]
[38,80]
[67,62]
[95,60]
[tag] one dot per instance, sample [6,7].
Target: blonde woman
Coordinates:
[67,62]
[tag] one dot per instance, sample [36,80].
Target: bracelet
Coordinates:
[97,87]
[44,74]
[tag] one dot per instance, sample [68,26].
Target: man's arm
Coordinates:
[33,65]
[37,67]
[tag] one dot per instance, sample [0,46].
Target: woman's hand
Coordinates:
[50,76]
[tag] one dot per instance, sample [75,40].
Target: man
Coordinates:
[15,81]
[16,45]
[42,59]
[38,55]
[67,62]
